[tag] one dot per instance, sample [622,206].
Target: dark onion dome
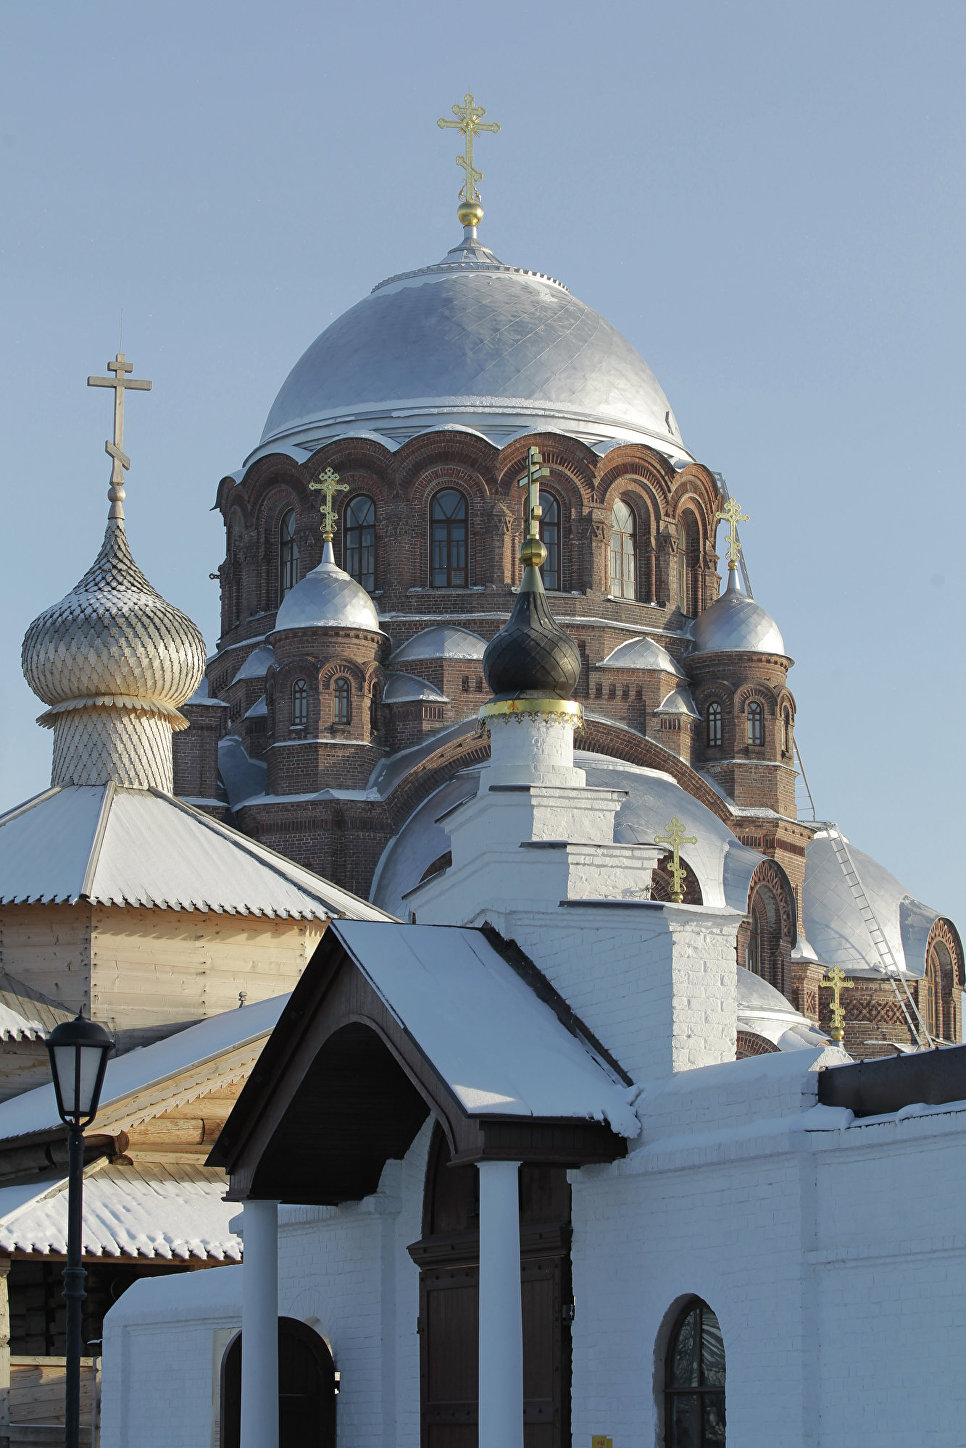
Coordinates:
[531,656]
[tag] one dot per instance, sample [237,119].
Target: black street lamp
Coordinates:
[78,1053]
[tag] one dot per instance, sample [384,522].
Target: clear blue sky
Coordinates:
[767,199]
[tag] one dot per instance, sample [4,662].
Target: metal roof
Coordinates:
[641,653]
[474,343]
[138,847]
[445,641]
[176,1213]
[678,701]
[736,621]
[407,688]
[327,598]
[257,664]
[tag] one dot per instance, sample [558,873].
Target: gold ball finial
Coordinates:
[533,553]
[470,213]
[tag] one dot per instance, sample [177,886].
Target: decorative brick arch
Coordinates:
[770,931]
[346,668]
[761,692]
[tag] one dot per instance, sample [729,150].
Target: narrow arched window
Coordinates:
[448,540]
[756,723]
[359,540]
[550,533]
[689,564]
[288,554]
[712,724]
[341,702]
[786,731]
[938,964]
[694,1381]
[300,702]
[753,950]
[623,556]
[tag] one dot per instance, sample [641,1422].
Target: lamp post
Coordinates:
[78,1053]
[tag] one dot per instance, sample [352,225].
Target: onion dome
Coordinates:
[327,598]
[531,656]
[736,622]
[113,660]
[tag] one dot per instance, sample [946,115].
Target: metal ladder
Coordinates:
[877,935]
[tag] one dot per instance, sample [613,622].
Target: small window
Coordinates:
[300,702]
[786,731]
[756,723]
[753,951]
[341,702]
[623,580]
[689,564]
[448,540]
[694,1392]
[712,725]
[550,533]
[359,540]
[288,554]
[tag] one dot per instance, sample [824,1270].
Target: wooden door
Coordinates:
[306,1389]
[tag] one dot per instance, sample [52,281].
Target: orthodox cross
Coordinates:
[120,382]
[469,120]
[531,480]
[675,837]
[839,982]
[329,485]
[732,515]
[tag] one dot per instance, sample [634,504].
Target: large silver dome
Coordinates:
[471,342]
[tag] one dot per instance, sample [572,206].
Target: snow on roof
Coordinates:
[36,1110]
[15,1027]
[402,688]
[172,1212]
[444,641]
[500,1050]
[140,847]
[257,664]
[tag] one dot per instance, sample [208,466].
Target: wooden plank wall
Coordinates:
[37,1400]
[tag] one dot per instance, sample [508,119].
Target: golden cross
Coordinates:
[531,480]
[469,120]
[329,485]
[675,837]
[839,982]
[120,382]
[732,515]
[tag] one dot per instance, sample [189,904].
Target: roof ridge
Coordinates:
[97,841]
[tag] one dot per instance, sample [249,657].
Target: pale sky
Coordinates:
[766,199]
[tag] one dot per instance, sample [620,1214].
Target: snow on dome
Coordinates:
[327,598]
[407,689]
[471,342]
[641,653]
[444,641]
[257,665]
[735,621]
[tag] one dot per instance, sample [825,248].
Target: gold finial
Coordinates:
[675,837]
[329,485]
[732,515]
[115,450]
[533,552]
[839,982]
[469,120]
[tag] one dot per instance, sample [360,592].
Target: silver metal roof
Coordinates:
[408,689]
[678,701]
[257,665]
[735,621]
[475,343]
[764,1010]
[114,846]
[641,653]
[444,641]
[325,598]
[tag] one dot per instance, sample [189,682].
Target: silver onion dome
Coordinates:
[327,598]
[736,622]
[471,342]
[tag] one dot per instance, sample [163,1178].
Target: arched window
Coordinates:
[712,726]
[341,702]
[288,554]
[931,993]
[694,1381]
[764,948]
[550,533]
[300,702]
[448,540]
[689,564]
[623,556]
[786,730]
[756,722]
[359,540]
[753,951]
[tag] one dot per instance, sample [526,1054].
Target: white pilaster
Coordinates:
[501,1307]
[259,1387]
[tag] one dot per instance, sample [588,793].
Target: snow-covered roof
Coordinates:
[498,1048]
[242,776]
[408,689]
[641,653]
[136,1071]
[257,664]
[202,695]
[678,701]
[765,1011]
[259,709]
[176,1213]
[444,641]
[139,847]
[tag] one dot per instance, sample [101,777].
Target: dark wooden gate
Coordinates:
[306,1389]
[448,1258]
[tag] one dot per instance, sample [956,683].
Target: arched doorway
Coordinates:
[306,1389]
[448,1256]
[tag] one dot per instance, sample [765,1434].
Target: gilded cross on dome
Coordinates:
[732,515]
[328,484]
[533,550]
[675,837]
[839,982]
[469,120]
[115,450]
